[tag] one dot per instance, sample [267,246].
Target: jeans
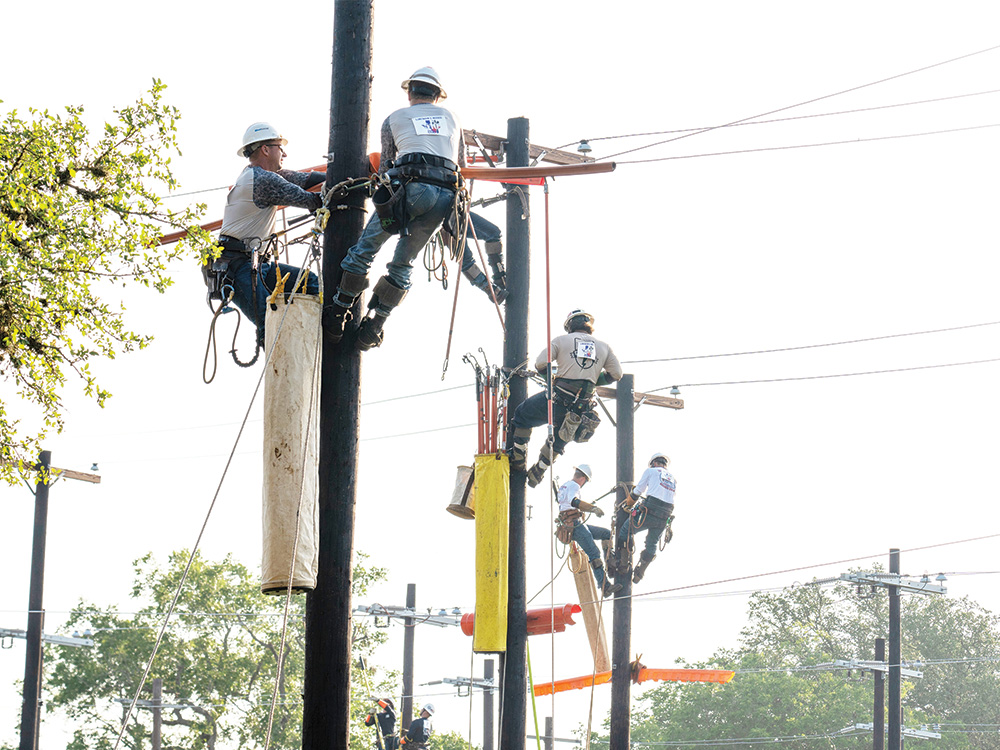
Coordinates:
[534,412]
[486,231]
[240,274]
[426,207]
[584,536]
[652,526]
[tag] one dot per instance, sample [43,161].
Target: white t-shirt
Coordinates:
[569,492]
[426,129]
[657,482]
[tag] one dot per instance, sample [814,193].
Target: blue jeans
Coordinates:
[426,207]
[652,526]
[240,274]
[534,412]
[486,231]
[584,536]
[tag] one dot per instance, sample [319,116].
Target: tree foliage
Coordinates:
[218,660]
[80,212]
[778,693]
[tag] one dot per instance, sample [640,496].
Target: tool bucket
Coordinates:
[463,499]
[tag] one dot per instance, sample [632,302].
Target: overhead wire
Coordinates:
[809,101]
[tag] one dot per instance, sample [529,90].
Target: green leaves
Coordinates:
[79,212]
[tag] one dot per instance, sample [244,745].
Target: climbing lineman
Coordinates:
[582,362]
[422,152]
[653,515]
[572,527]
[420,731]
[244,268]
[385,720]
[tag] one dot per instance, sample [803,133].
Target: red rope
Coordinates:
[548,307]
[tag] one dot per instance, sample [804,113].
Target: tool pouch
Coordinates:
[390,205]
[564,533]
[588,426]
[570,426]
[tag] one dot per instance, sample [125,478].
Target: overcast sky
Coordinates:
[772,248]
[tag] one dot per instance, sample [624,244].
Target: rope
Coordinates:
[489,286]
[194,549]
[210,345]
[454,309]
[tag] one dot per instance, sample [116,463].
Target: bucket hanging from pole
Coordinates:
[291,444]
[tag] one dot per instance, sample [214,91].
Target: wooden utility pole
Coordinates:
[513,701]
[878,712]
[895,659]
[327,688]
[32,690]
[157,713]
[621,637]
[488,706]
[406,704]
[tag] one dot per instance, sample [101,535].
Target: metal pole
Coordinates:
[488,728]
[327,687]
[32,691]
[515,352]
[157,713]
[895,659]
[548,740]
[878,713]
[406,704]
[622,629]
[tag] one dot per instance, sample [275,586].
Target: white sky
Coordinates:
[697,256]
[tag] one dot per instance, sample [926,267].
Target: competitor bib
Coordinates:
[431,126]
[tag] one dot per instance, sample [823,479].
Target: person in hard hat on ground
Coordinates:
[419,733]
[422,152]
[489,236]
[571,510]
[582,362]
[386,721]
[248,222]
[653,515]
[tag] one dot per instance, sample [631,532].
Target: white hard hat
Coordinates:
[665,458]
[429,708]
[586,471]
[425,75]
[260,131]
[574,314]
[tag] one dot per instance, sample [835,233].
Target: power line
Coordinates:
[812,145]
[809,346]
[822,377]
[788,119]
[810,101]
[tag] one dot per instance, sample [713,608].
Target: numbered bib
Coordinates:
[434,125]
[586,350]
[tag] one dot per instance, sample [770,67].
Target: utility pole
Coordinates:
[157,713]
[513,700]
[32,690]
[621,638]
[895,658]
[406,704]
[878,713]
[327,688]
[548,739]
[488,707]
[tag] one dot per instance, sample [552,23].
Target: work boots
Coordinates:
[645,558]
[537,472]
[519,449]
[609,588]
[336,315]
[609,556]
[478,279]
[385,297]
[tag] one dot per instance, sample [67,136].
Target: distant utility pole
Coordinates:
[32,691]
[513,698]
[878,712]
[326,720]
[406,704]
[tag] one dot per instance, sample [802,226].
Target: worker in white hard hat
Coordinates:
[582,362]
[571,526]
[419,732]
[422,152]
[245,264]
[652,515]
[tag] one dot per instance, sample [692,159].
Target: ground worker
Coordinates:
[245,264]
[386,721]
[422,152]
[582,362]
[653,515]
[481,229]
[419,733]
[571,510]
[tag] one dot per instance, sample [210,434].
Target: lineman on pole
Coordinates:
[421,729]
[572,527]
[422,152]
[582,362]
[653,515]
[386,721]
